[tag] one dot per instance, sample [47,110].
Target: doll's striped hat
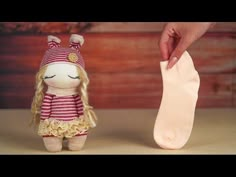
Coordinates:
[57,54]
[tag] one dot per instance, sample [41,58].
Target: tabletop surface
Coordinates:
[124,131]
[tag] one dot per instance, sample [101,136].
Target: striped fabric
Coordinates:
[63,108]
[53,44]
[60,54]
[75,45]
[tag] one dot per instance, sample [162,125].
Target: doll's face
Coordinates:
[62,75]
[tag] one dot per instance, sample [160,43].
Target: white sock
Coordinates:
[175,118]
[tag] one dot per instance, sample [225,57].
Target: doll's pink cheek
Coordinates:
[74,83]
[50,82]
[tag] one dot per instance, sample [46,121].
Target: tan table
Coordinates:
[125,131]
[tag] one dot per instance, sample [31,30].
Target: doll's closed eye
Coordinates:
[77,77]
[49,77]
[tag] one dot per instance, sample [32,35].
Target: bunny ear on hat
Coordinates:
[53,41]
[76,41]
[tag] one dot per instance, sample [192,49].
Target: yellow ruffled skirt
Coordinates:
[67,129]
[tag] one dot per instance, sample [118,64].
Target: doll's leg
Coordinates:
[76,143]
[53,144]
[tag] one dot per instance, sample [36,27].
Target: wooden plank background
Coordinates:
[122,61]
[234,89]
[94,27]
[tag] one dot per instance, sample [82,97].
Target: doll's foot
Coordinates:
[53,144]
[76,143]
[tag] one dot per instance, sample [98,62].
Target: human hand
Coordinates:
[177,37]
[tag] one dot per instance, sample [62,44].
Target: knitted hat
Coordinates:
[57,54]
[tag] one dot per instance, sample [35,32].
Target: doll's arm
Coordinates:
[79,106]
[46,106]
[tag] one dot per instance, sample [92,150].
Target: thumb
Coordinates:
[183,44]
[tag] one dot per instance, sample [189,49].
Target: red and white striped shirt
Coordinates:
[63,108]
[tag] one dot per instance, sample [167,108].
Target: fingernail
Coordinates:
[172,62]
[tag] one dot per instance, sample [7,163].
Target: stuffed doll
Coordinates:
[60,106]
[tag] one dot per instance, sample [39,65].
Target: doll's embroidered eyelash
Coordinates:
[77,77]
[49,77]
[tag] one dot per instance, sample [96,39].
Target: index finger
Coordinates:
[163,44]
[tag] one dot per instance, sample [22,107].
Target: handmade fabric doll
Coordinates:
[60,106]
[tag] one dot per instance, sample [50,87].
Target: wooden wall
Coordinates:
[122,60]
